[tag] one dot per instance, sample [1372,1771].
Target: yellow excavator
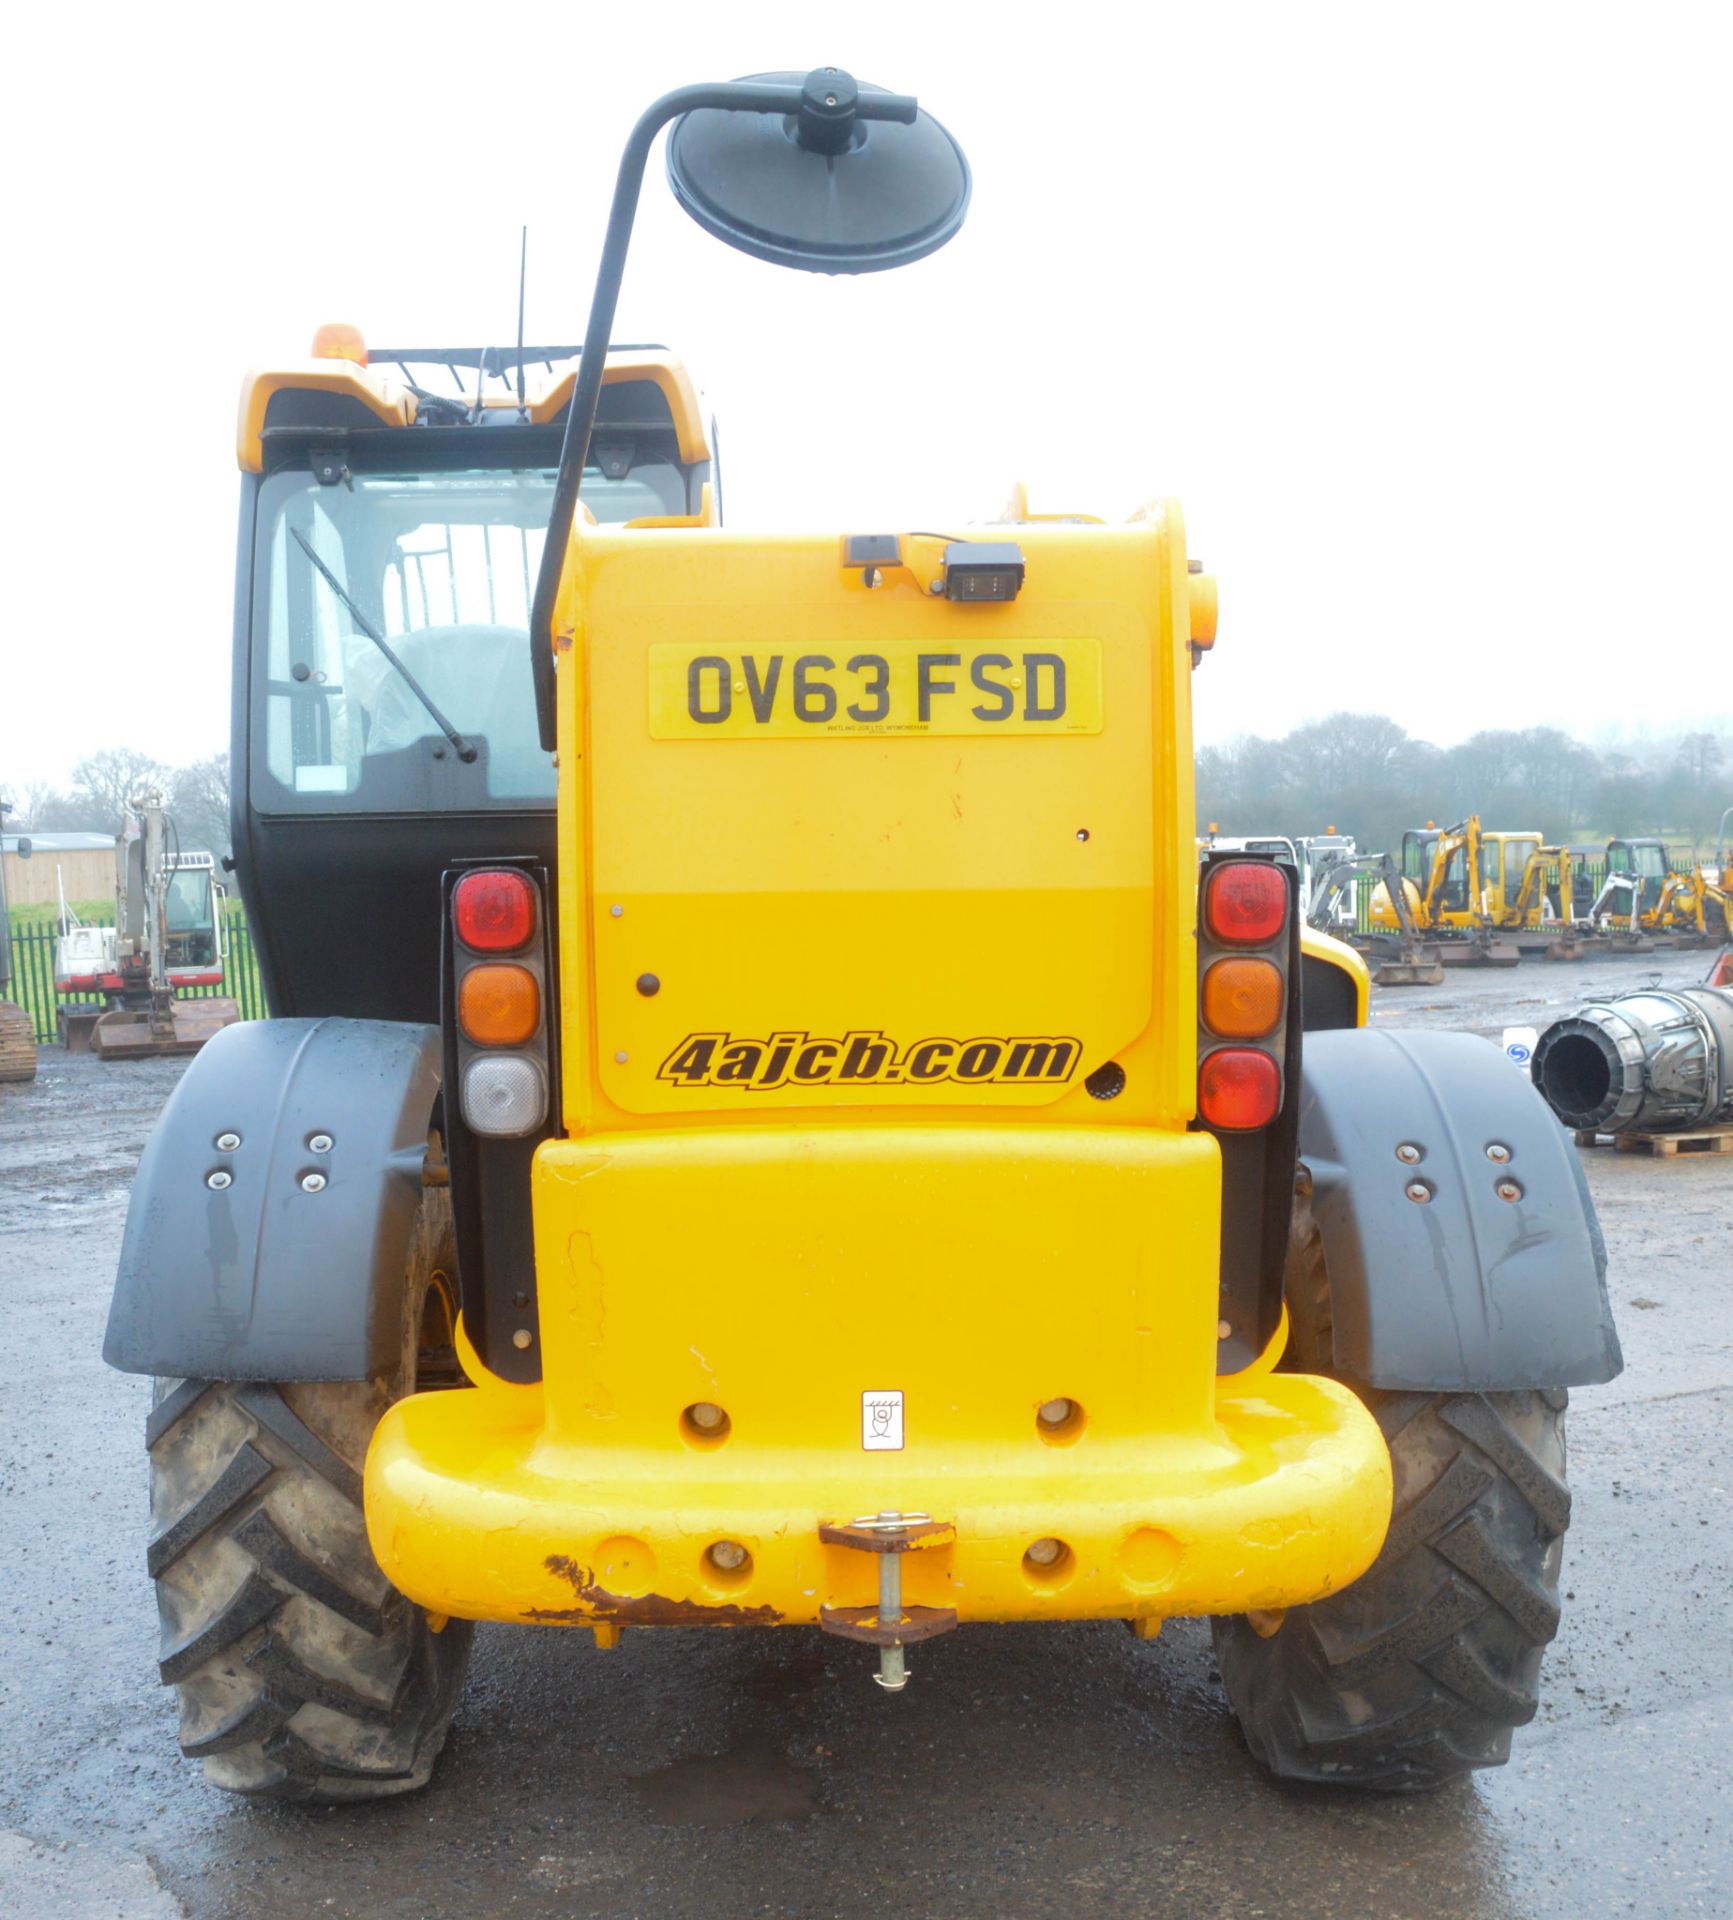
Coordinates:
[1699,901]
[1549,909]
[1463,887]
[1697,905]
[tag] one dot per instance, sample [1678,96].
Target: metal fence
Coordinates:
[32,949]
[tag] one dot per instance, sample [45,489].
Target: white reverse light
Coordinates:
[504,1095]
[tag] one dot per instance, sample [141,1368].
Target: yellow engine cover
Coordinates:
[858,886]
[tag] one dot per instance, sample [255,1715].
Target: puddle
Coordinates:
[752,1782]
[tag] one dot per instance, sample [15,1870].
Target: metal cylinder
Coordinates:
[1654,1061]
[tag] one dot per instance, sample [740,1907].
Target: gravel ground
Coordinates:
[1026,1770]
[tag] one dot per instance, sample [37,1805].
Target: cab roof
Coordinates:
[393,387]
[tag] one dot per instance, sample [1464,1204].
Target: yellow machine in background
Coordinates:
[1649,896]
[1467,885]
[1699,901]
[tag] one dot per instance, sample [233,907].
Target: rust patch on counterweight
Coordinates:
[639,1610]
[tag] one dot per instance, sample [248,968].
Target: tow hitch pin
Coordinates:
[893,1673]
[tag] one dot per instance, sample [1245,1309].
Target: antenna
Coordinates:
[522,268]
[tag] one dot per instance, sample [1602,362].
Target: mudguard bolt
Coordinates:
[707,1415]
[227,1142]
[1409,1154]
[1418,1191]
[312,1183]
[521,1338]
[1509,1190]
[318,1143]
[1498,1152]
[219,1178]
[1054,1413]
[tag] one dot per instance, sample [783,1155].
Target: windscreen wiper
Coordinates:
[465,752]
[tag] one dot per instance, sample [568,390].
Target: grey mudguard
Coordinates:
[258,1278]
[1464,1289]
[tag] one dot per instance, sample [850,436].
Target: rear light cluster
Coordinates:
[501,980]
[1243,936]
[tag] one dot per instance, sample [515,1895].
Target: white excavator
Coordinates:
[168,937]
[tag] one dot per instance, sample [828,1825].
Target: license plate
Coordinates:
[1017,687]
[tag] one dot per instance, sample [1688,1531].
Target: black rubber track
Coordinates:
[1419,1671]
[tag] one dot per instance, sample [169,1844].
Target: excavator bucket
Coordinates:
[1409,973]
[136,1036]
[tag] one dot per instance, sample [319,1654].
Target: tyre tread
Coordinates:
[295,1639]
[276,1417]
[238,1482]
[1417,1672]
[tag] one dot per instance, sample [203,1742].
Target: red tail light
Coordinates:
[1245,903]
[1238,1088]
[495,911]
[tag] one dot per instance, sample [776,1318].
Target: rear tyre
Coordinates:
[302,1674]
[1420,1670]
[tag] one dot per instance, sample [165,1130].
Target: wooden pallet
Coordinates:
[1667,1145]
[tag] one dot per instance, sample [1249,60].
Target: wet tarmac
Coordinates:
[1026,1771]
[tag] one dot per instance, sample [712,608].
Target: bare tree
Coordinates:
[198,799]
[109,779]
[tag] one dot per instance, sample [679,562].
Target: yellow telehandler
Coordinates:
[805,1145]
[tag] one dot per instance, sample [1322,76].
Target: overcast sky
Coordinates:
[1424,314]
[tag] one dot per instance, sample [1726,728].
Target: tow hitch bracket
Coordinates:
[890,1626]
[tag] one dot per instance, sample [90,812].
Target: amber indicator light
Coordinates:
[1242,998]
[499,1006]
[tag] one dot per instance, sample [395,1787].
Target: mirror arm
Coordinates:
[732,96]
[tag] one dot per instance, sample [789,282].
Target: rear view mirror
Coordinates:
[830,189]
